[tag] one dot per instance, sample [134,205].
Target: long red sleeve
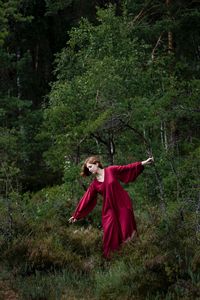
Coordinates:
[128,173]
[86,204]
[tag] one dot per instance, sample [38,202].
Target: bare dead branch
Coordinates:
[156,46]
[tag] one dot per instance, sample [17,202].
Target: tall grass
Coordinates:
[55,286]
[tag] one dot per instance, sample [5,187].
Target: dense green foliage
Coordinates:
[122,82]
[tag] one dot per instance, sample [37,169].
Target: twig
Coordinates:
[156,46]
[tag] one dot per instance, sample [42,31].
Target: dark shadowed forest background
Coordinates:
[120,79]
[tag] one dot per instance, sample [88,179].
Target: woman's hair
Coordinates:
[91,160]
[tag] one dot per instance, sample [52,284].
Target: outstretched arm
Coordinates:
[128,173]
[85,205]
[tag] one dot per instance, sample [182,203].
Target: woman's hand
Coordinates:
[72,220]
[149,161]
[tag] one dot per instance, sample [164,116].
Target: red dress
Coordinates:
[117,213]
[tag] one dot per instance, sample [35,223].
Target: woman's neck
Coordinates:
[100,175]
[100,172]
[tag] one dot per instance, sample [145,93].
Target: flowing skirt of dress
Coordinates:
[117,228]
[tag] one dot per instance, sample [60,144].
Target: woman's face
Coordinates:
[93,168]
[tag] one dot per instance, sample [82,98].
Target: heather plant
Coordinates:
[51,259]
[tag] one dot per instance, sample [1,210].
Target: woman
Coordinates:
[117,213]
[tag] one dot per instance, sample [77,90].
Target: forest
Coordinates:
[119,79]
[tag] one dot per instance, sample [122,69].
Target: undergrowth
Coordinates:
[49,259]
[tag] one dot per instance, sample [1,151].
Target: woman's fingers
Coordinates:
[72,220]
[150,160]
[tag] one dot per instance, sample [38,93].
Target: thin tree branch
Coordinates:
[156,46]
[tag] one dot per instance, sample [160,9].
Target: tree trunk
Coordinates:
[170,45]
[18,77]
[111,149]
[163,135]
